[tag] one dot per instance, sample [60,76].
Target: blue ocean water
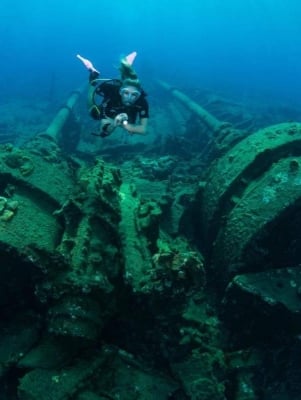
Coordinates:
[249,48]
[87,293]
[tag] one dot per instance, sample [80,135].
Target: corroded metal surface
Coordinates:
[104,284]
[229,177]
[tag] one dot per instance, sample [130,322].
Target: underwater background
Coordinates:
[162,266]
[249,48]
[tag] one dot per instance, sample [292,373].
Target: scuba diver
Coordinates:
[122,101]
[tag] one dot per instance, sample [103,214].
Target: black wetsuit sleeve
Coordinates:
[144,111]
[92,77]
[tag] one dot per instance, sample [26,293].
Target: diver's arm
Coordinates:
[107,126]
[139,129]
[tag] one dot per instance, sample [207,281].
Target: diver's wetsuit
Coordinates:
[111,104]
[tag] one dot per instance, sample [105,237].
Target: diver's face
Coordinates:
[129,95]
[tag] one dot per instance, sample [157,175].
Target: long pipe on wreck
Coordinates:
[61,117]
[212,123]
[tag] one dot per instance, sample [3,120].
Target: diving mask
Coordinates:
[129,95]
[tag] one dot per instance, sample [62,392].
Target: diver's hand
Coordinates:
[128,127]
[121,119]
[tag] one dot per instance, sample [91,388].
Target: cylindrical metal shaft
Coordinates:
[61,117]
[208,119]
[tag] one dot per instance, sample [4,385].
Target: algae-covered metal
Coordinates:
[248,190]
[133,281]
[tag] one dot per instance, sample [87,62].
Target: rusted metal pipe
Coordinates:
[212,123]
[61,117]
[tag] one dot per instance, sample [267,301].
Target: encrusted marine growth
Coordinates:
[90,246]
[8,208]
